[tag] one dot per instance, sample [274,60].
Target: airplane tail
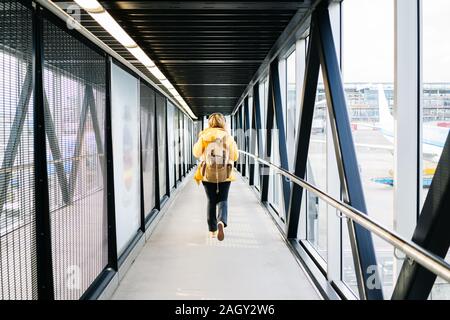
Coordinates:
[386,119]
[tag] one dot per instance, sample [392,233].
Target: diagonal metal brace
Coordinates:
[14,137]
[432,233]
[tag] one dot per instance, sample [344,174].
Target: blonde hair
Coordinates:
[216,120]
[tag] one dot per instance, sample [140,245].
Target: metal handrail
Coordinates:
[428,260]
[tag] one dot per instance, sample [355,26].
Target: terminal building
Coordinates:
[340,110]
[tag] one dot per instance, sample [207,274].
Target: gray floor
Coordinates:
[180,261]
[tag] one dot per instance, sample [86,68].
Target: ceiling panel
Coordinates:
[209,50]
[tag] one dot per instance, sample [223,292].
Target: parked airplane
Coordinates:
[433,135]
[433,139]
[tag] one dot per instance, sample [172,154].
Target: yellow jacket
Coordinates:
[205,137]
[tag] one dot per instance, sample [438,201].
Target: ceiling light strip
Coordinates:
[104,19]
[63,15]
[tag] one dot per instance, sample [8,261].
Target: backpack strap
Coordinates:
[224,152]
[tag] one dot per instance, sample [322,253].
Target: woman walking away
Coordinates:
[217,151]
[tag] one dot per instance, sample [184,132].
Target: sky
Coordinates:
[436,40]
[368,40]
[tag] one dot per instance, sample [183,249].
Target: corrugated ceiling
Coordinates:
[209,50]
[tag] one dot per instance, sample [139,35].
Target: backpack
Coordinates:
[216,166]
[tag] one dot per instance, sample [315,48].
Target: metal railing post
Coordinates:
[109,174]
[44,261]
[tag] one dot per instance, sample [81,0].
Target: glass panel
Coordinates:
[180,143]
[274,195]
[348,268]
[197,129]
[368,43]
[249,134]
[262,105]
[161,127]
[125,136]
[282,73]
[256,167]
[228,122]
[17,208]
[291,114]
[263,108]
[316,213]
[178,147]
[436,100]
[148,142]
[247,137]
[186,145]
[171,109]
[266,100]
[190,142]
[181,119]
[275,187]
[241,139]
[175,143]
[205,122]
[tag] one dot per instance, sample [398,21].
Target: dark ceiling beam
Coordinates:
[213,46]
[205,5]
[216,73]
[206,37]
[155,25]
[201,24]
[209,61]
[211,97]
[212,84]
[192,71]
[185,30]
[203,76]
[193,13]
[207,50]
[214,107]
[205,22]
[202,14]
[211,56]
[229,69]
[209,42]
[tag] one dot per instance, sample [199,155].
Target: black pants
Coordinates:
[219,199]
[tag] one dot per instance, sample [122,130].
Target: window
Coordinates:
[275,187]
[262,106]
[176,125]
[436,100]
[148,146]
[171,133]
[368,71]
[161,127]
[291,106]
[248,118]
[316,174]
[185,142]
[250,160]
[181,142]
[260,152]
